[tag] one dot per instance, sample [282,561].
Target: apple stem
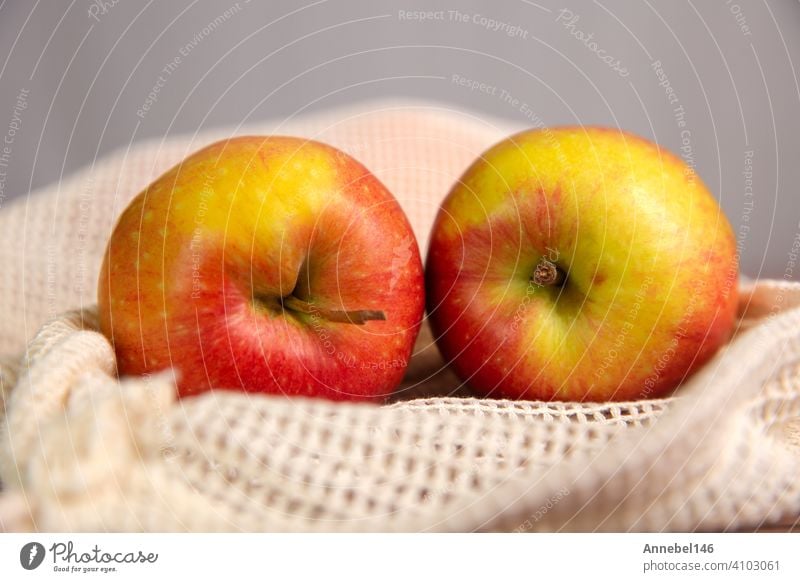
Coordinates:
[358,316]
[547,273]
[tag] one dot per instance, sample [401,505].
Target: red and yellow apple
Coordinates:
[580,264]
[265,264]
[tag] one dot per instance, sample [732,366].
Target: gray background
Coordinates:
[87,77]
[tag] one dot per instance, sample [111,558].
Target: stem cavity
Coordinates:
[548,274]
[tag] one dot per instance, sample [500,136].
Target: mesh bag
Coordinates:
[81,449]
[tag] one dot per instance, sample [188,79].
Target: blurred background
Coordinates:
[714,81]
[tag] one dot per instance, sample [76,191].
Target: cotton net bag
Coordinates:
[83,450]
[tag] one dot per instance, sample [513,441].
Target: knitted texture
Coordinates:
[81,450]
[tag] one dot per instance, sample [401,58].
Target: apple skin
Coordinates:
[198,264]
[649,258]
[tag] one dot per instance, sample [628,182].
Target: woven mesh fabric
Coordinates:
[82,450]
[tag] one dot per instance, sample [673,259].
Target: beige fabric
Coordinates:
[81,450]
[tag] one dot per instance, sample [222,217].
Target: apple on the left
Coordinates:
[265,264]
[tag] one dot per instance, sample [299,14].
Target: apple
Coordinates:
[265,264]
[580,264]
